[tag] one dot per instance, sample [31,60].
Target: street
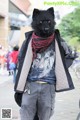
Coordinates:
[66,103]
[7,95]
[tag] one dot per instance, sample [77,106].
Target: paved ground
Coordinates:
[66,103]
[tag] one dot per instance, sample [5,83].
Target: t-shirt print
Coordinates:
[43,66]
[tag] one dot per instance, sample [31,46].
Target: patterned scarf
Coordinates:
[40,44]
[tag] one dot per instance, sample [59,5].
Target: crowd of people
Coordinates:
[9,60]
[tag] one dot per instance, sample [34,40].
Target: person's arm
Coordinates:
[18,96]
[70,55]
[21,50]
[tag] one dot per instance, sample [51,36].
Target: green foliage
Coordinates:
[70,27]
[74,42]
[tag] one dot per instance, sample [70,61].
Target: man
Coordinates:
[42,69]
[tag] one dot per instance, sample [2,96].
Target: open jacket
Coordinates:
[64,58]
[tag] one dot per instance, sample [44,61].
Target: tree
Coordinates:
[70,26]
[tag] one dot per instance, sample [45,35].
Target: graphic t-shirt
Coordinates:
[42,68]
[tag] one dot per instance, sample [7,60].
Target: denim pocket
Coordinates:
[27,88]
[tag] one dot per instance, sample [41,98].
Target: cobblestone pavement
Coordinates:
[66,103]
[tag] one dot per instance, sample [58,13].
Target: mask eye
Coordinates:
[49,21]
[40,22]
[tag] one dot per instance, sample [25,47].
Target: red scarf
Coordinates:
[40,44]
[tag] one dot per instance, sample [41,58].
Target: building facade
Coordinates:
[4,5]
[17,18]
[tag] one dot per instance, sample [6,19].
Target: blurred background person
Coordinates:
[2,59]
[14,61]
[8,63]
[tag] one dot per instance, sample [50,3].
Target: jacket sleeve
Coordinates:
[18,96]
[70,55]
[21,50]
[68,50]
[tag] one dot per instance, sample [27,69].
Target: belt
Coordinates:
[41,82]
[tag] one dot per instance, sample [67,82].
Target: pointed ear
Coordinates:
[35,12]
[51,10]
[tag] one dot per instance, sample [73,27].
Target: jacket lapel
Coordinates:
[25,68]
[61,78]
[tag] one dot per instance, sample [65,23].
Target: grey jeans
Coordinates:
[37,97]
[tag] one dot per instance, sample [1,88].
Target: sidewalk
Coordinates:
[7,94]
[66,103]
